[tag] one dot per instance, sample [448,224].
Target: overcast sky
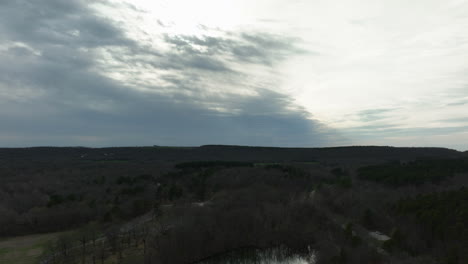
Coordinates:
[309,73]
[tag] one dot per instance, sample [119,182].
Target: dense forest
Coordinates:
[442,218]
[414,172]
[215,203]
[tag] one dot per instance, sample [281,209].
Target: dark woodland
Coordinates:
[217,204]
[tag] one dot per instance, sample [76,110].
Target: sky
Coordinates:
[288,73]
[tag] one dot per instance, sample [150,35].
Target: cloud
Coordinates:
[451,136]
[71,76]
[372,115]
[392,131]
[458,102]
[455,120]
[71,23]
[262,48]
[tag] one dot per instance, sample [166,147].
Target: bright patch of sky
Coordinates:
[408,57]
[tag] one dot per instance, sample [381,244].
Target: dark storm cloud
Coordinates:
[57,22]
[52,91]
[142,120]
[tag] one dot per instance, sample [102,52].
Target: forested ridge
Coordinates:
[414,172]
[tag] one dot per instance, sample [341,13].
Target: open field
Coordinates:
[24,249]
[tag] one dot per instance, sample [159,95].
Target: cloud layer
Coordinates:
[273,72]
[70,75]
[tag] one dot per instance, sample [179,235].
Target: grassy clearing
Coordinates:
[129,256]
[24,249]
